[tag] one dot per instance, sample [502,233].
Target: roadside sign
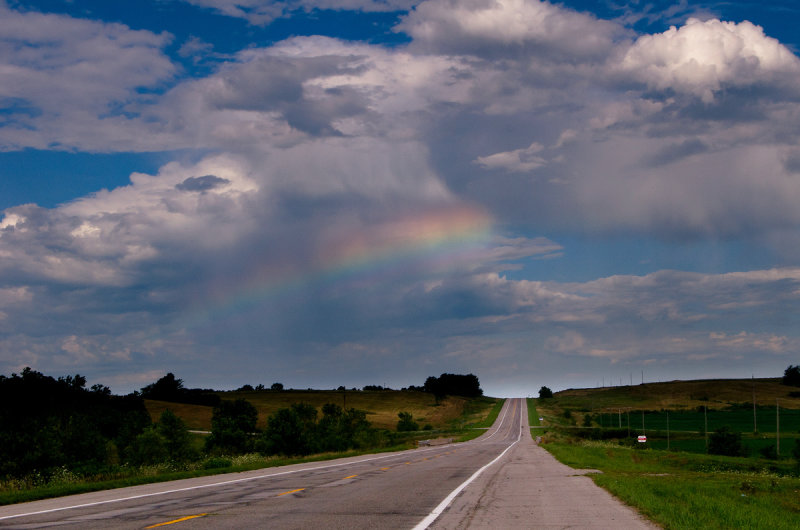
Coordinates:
[642,439]
[541,418]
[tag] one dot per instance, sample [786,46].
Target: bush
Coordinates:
[217,463]
[176,437]
[769,452]
[233,424]
[796,450]
[726,442]
[406,422]
[149,448]
[290,431]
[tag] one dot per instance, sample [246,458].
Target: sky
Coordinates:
[371,192]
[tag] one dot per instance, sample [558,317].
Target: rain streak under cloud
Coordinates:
[362,192]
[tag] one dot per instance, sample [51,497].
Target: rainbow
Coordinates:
[438,238]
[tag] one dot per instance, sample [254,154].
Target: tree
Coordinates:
[453,385]
[276,387]
[791,376]
[545,393]
[147,449]
[177,441]
[232,426]
[48,423]
[168,388]
[724,441]
[290,431]
[406,422]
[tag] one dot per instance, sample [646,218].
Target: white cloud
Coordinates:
[702,58]
[66,78]
[482,27]
[519,160]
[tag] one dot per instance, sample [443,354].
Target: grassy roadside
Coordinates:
[533,414]
[684,487]
[474,414]
[683,490]
[478,420]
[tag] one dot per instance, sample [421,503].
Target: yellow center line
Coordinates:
[178,520]
[288,492]
[351,476]
[385,468]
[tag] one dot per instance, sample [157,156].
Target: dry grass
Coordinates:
[381,407]
[196,417]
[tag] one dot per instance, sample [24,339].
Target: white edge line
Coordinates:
[246,479]
[425,523]
[501,421]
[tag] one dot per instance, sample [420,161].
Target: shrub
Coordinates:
[217,463]
[769,452]
[406,422]
[176,437]
[726,442]
[232,426]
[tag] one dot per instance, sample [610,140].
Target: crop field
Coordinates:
[381,407]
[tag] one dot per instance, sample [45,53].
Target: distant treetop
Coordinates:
[453,385]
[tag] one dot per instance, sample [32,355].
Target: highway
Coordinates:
[406,489]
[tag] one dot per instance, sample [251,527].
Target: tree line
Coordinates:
[48,424]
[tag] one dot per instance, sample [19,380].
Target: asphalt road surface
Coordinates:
[482,483]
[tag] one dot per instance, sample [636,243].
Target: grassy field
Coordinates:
[676,395]
[683,487]
[680,490]
[381,406]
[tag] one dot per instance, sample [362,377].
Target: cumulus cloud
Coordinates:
[499,27]
[415,163]
[65,78]
[701,58]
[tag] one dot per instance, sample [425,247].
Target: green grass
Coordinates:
[684,487]
[737,418]
[681,490]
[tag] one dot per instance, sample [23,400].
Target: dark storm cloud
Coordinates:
[204,183]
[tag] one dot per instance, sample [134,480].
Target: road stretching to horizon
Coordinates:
[494,480]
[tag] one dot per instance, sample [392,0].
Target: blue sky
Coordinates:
[370,192]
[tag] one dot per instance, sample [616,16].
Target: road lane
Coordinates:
[528,488]
[395,490]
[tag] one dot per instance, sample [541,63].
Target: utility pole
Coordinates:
[643,433]
[755,428]
[777,427]
[667,430]
[620,418]
[705,428]
[642,376]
